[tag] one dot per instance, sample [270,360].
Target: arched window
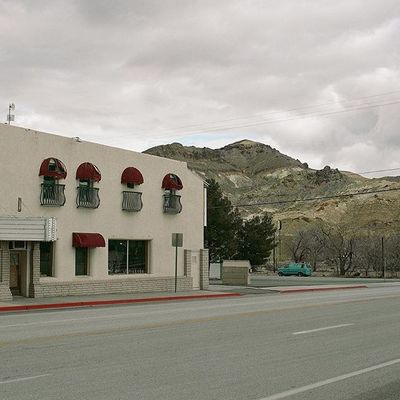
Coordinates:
[172,202]
[88,196]
[52,193]
[131,200]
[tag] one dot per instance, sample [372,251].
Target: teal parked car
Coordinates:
[299,269]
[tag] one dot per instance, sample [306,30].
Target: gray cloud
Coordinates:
[139,73]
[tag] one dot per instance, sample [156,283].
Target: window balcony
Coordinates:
[52,194]
[87,197]
[132,201]
[172,204]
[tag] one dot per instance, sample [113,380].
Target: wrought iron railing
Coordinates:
[52,194]
[131,201]
[87,197]
[172,204]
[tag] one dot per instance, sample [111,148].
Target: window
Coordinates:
[127,257]
[17,245]
[137,257]
[84,190]
[172,202]
[131,200]
[87,196]
[117,256]
[48,187]
[81,261]
[46,259]
[52,193]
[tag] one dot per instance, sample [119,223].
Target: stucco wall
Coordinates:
[22,152]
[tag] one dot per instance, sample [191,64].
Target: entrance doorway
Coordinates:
[18,273]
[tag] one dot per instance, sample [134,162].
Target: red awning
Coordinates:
[54,168]
[88,171]
[80,239]
[172,181]
[132,175]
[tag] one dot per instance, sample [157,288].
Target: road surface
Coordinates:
[331,345]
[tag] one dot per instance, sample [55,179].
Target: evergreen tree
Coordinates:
[223,223]
[257,239]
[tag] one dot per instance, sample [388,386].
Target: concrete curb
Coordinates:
[320,289]
[99,303]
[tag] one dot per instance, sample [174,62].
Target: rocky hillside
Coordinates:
[260,178]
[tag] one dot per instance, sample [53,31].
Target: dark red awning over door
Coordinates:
[53,167]
[90,240]
[172,181]
[132,175]
[89,172]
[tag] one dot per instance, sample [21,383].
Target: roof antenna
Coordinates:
[11,116]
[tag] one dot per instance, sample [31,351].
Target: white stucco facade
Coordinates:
[22,152]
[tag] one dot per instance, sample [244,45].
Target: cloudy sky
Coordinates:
[317,79]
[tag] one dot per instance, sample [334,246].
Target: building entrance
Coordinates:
[17,272]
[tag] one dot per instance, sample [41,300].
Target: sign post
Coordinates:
[177,241]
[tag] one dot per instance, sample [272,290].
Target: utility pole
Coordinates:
[274,256]
[383,259]
[279,241]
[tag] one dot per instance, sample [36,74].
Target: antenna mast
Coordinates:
[11,116]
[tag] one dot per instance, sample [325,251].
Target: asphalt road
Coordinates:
[332,345]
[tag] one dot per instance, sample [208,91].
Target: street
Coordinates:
[327,345]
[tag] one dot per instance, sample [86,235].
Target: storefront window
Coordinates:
[127,257]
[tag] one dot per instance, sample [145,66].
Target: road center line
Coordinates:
[339,378]
[28,378]
[321,329]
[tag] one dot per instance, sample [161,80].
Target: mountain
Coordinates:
[263,179]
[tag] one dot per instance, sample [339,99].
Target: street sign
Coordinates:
[177,239]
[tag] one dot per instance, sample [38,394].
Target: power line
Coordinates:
[305,116]
[378,170]
[306,199]
[352,107]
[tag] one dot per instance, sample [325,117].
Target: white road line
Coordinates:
[28,378]
[321,329]
[339,378]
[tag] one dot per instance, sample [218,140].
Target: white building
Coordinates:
[83,218]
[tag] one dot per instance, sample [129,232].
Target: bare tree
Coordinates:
[339,247]
[393,255]
[367,256]
[299,246]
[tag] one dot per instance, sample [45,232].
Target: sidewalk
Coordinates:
[283,289]
[24,304]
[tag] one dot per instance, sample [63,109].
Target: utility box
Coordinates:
[236,272]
